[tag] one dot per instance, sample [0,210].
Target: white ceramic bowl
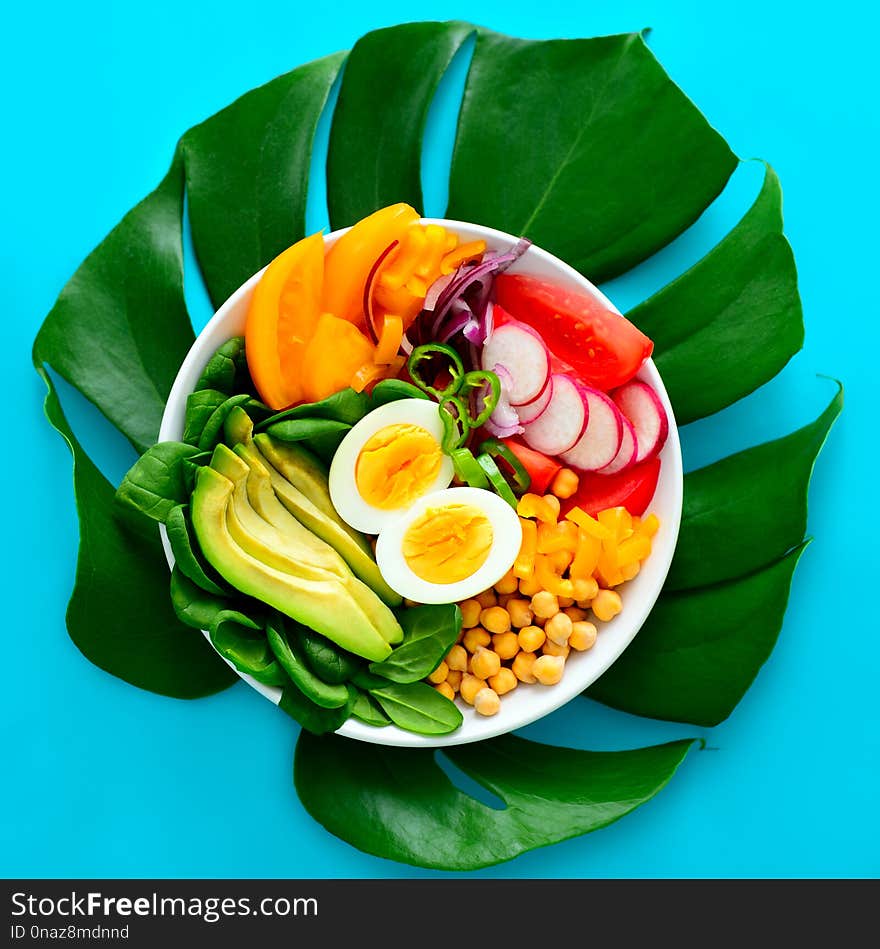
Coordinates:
[528,702]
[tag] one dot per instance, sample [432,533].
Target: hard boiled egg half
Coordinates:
[436,544]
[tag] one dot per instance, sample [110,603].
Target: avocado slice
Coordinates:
[324,605]
[238,427]
[306,473]
[264,490]
[328,530]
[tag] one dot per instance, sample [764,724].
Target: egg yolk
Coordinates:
[448,544]
[397,465]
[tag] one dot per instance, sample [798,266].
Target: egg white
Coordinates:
[506,541]
[348,501]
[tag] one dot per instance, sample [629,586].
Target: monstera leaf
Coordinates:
[587,147]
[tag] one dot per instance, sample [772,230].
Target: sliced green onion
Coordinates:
[498,450]
[468,468]
[479,379]
[496,479]
[421,359]
[456,426]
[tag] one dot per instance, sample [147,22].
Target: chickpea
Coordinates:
[553,501]
[565,484]
[439,674]
[503,681]
[565,601]
[470,613]
[584,589]
[508,583]
[496,619]
[606,605]
[470,685]
[457,658]
[531,638]
[486,702]
[520,612]
[522,666]
[558,628]
[506,645]
[545,605]
[583,636]
[486,599]
[485,663]
[505,598]
[576,614]
[548,669]
[453,679]
[555,649]
[476,637]
[444,688]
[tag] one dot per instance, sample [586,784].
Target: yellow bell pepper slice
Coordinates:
[525,559]
[586,559]
[533,505]
[556,537]
[589,524]
[462,254]
[550,579]
[351,258]
[389,340]
[335,353]
[618,520]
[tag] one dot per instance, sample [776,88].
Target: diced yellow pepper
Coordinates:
[633,549]
[554,537]
[524,564]
[618,520]
[650,525]
[587,557]
[549,579]
[589,524]
[462,254]
[533,505]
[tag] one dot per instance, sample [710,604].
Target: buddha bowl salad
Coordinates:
[417,478]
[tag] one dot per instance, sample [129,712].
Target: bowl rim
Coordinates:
[624,627]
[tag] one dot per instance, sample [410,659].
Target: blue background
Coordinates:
[101,779]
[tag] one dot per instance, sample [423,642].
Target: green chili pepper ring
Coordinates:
[421,359]
[499,451]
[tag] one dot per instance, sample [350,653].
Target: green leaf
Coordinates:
[247,171]
[345,406]
[200,406]
[585,146]
[312,717]
[306,429]
[375,150]
[243,642]
[700,650]
[192,604]
[157,482]
[184,546]
[367,711]
[119,330]
[391,390]
[428,634]
[327,660]
[119,615]
[283,641]
[397,803]
[418,707]
[212,433]
[227,369]
[733,320]
[747,510]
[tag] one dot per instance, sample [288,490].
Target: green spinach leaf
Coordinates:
[392,390]
[418,708]
[283,641]
[327,660]
[311,716]
[367,710]
[227,369]
[346,406]
[242,641]
[200,406]
[158,481]
[184,546]
[428,633]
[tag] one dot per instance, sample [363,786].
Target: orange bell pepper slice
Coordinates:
[335,353]
[281,318]
[351,258]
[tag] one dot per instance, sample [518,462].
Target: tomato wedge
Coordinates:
[281,319]
[631,488]
[604,348]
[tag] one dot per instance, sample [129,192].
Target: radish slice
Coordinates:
[562,423]
[640,404]
[522,351]
[626,457]
[600,443]
[532,410]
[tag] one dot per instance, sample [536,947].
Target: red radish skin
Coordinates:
[600,443]
[641,405]
[626,456]
[530,412]
[523,353]
[562,423]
